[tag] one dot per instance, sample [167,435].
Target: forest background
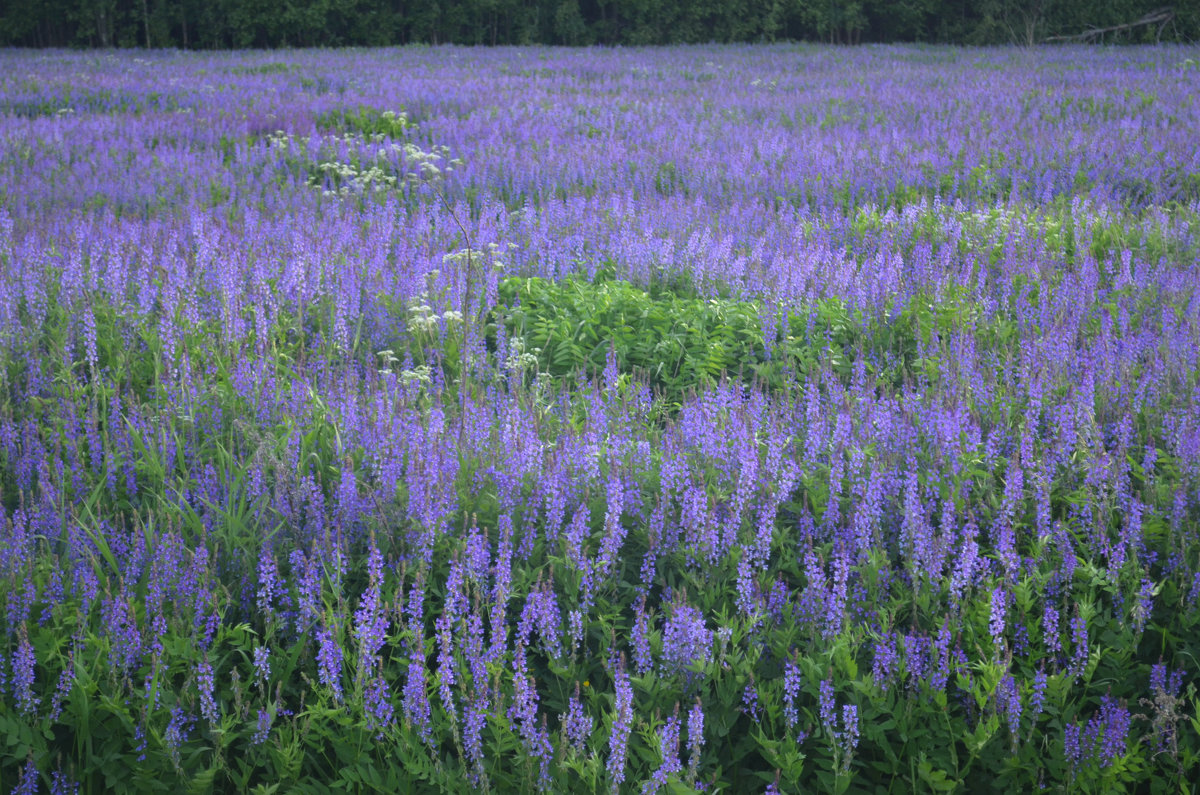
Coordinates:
[223,24]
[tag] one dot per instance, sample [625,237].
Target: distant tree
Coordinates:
[569,26]
[207,24]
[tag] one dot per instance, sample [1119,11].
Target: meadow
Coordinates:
[750,419]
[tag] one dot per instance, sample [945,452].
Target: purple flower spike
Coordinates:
[23,668]
[622,727]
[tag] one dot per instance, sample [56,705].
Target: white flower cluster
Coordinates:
[423,320]
[387,358]
[519,358]
[381,173]
[352,180]
[421,374]
[377,165]
[423,165]
[490,251]
[417,375]
[394,118]
[280,140]
[998,216]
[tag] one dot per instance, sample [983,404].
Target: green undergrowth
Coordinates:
[996,181]
[80,100]
[103,364]
[989,234]
[683,344]
[269,68]
[919,737]
[366,121]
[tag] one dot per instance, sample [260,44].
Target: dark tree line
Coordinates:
[220,24]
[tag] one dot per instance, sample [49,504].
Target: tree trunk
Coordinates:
[146,19]
[102,26]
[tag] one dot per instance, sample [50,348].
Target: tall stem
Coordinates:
[468,324]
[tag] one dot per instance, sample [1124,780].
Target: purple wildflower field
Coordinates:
[746,418]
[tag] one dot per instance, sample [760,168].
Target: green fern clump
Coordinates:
[679,344]
[365,121]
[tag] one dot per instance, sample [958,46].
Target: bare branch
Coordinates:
[1160,16]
